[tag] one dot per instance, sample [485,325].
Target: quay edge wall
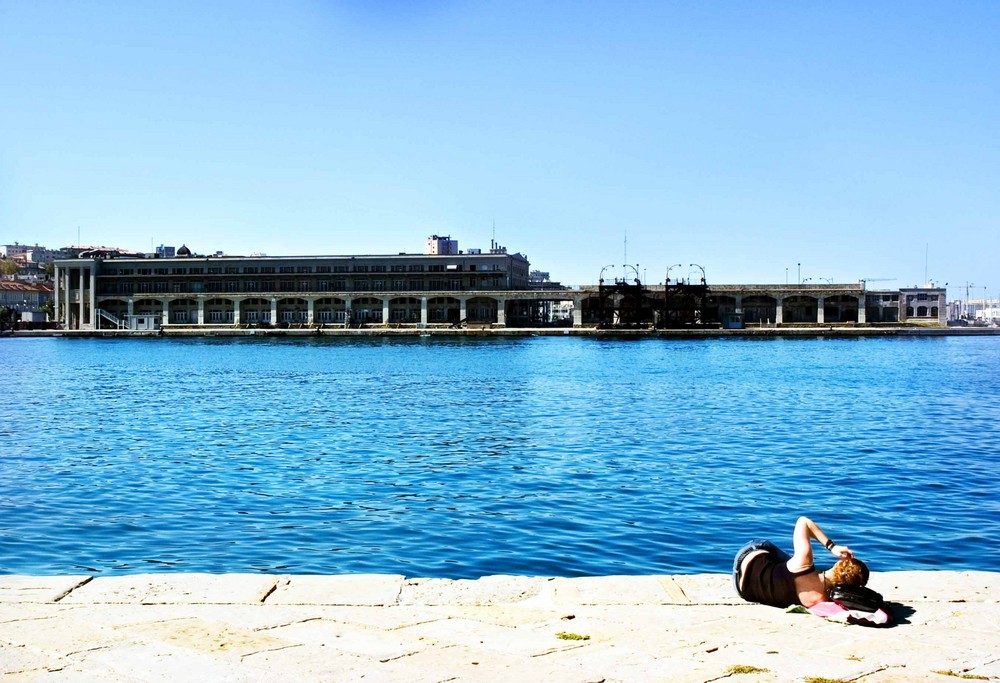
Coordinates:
[775,332]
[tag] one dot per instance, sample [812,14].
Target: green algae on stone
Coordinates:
[745,669]
[959,674]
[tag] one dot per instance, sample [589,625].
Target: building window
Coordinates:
[397,269]
[304,269]
[416,269]
[286,269]
[340,285]
[921,311]
[251,270]
[267,270]
[398,285]
[340,269]
[286,286]
[360,269]
[232,270]
[322,269]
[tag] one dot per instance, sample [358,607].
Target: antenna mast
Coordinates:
[625,256]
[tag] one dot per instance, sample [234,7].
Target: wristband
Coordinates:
[830,544]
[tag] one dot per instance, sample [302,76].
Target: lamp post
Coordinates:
[800,272]
[676,265]
[600,280]
[695,265]
[635,268]
[786,276]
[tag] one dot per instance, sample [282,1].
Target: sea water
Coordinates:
[462,457]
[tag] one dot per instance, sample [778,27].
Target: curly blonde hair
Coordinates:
[850,571]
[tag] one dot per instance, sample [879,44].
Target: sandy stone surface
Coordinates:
[201,627]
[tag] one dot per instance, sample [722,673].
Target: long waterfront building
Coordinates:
[102,289]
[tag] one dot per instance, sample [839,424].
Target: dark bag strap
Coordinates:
[860,598]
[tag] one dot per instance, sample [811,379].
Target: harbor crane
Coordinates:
[865,280]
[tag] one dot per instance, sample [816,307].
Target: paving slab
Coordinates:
[150,589]
[194,627]
[488,590]
[20,589]
[610,590]
[346,589]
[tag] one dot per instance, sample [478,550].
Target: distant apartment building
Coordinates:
[23,297]
[31,260]
[441,246]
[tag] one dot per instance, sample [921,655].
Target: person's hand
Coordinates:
[842,551]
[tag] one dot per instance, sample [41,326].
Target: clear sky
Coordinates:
[858,139]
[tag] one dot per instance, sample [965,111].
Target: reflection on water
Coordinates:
[464,457]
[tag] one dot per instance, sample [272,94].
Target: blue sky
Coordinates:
[860,140]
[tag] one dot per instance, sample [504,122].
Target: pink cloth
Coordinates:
[834,612]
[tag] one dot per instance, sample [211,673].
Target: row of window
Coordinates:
[235,286]
[401,315]
[267,270]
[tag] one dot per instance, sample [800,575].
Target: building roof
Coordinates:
[18,286]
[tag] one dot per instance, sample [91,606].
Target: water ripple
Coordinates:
[465,457]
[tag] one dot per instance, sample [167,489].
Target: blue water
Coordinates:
[464,457]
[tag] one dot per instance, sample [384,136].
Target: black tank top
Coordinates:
[768,581]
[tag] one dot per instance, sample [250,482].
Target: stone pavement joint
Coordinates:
[388,627]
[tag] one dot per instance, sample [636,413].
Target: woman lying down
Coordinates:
[764,573]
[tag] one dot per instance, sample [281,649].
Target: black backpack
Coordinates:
[858,598]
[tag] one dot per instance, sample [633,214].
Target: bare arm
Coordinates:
[805,531]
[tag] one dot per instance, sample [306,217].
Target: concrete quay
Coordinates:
[832,331]
[257,627]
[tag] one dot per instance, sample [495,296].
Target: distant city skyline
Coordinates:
[766,143]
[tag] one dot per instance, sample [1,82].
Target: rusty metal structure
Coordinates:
[624,305]
[687,305]
[631,305]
